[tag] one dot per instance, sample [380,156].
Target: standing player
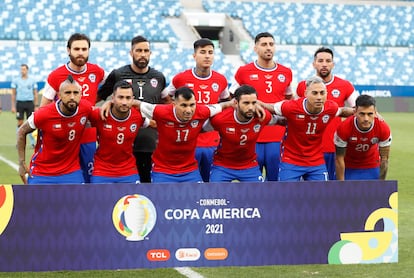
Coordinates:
[307,118]
[235,158]
[114,161]
[272,83]
[339,90]
[210,87]
[61,125]
[89,76]
[24,97]
[363,144]
[147,84]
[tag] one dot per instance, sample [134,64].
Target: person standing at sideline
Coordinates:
[363,144]
[307,118]
[147,84]
[89,76]
[272,82]
[210,87]
[61,125]
[24,97]
[239,128]
[339,90]
[114,161]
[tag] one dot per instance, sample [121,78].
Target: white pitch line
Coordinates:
[188,272]
[10,163]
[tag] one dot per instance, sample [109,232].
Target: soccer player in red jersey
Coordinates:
[272,82]
[339,90]
[114,161]
[61,125]
[307,118]
[89,76]
[210,87]
[239,128]
[363,144]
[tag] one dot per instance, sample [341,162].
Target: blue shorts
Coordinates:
[330,165]
[72,178]
[87,151]
[268,157]
[193,176]
[290,172]
[362,174]
[204,157]
[122,179]
[222,174]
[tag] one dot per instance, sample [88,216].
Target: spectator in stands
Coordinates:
[339,90]
[210,87]
[239,128]
[307,118]
[272,82]
[89,76]
[61,126]
[114,161]
[24,97]
[147,84]
[363,144]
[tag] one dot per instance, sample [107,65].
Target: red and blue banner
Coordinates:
[125,226]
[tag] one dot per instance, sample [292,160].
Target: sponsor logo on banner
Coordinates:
[187,254]
[216,254]
[158,255]
[134,217]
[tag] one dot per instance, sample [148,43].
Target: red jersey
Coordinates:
[272,85]
[303,143]
[362,150]
[114,156]
[57,150]
[207,90]
[89,78]
[237,149]
[175,152]
[341,91]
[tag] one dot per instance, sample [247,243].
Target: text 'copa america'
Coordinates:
[213,213]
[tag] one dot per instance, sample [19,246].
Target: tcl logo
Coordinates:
[158,255]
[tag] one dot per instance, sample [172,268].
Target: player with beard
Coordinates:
[272,83]
[61,125]
[147,84]
[339,90]
[89,76]
[239,128]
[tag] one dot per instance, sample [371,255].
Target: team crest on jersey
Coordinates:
[374,140]
[154,82]
[336,93]
[256,128]
[92,77]
[194,123]
[83,120]
[215,87]
[133,127]
[281,78]
[325,119]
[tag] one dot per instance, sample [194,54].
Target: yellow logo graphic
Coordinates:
[370,246]
[134,217]
[6,205]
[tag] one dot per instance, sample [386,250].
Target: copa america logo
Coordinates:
[134,217]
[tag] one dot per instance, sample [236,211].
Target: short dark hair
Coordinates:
[25,65]
[185,92]
[244,90]
[78,37]
[202,42]
[323,49]
[365,101]
[138,39]
[122,84]
[263,35]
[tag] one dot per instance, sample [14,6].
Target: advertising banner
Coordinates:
[125,226]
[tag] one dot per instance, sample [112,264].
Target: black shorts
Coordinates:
[24,107]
